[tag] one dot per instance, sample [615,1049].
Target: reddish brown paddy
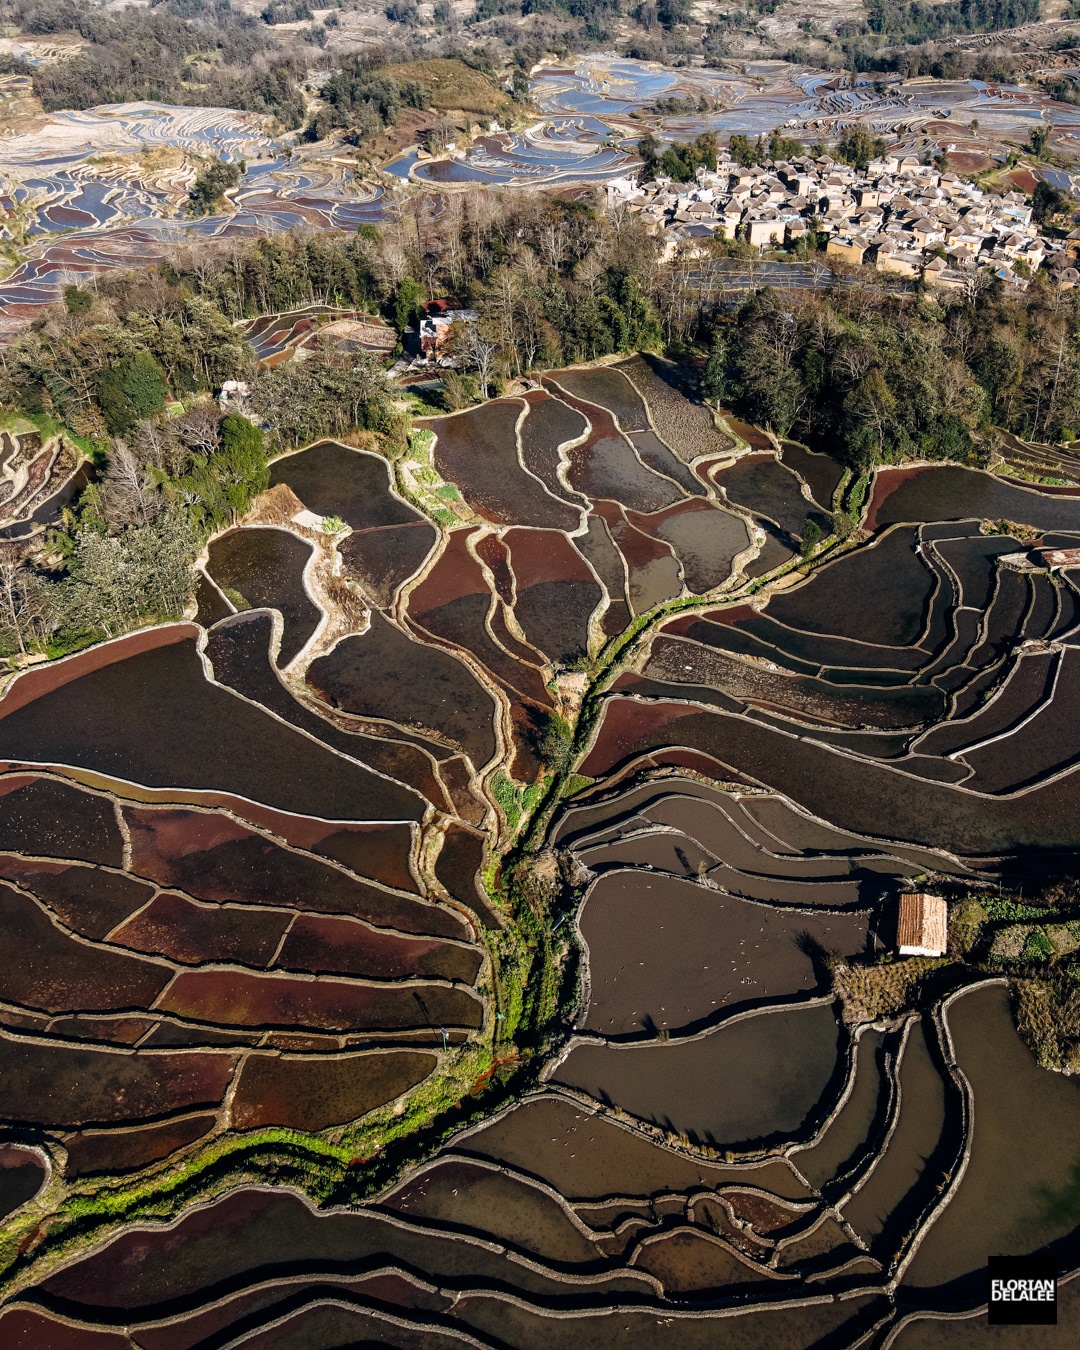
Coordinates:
[244,886]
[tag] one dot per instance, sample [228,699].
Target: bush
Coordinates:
[130,390]
[77,301]
[460,391]
[556,742]
[811,536]
[221,486]
[211,182]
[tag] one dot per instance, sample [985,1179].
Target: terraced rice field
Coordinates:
[38,477]
[348,1000]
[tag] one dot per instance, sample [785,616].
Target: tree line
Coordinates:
[873,378]
[178,52]
[553,281]
[868,376]
[916,21]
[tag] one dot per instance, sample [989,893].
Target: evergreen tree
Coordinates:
[714,377]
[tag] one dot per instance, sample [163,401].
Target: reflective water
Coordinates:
[99,179]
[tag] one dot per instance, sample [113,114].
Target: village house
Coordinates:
[437,323]
[848,248]
[907,219]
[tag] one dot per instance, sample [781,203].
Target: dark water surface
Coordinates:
[764,1075]
[155,719]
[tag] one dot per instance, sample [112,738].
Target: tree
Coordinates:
[408,303]
[556,742]
[681,161]
[741,150]
[118,581]
[77,301]
[714,386]
[868,414]
[144,384]
[784,147]
[130,389]
[24,600]
[519,86]
[481,351]
[1048,201]
[858,147]
[218,488]
[844,524]
[811,534]
[211,182]
[459,391]
[649,150]
[127,493]
[327,395]
[1039,140]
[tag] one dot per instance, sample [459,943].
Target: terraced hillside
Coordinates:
[476,923]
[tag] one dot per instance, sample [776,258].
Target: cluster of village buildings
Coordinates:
[898,215]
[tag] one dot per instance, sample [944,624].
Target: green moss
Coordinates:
[508,795]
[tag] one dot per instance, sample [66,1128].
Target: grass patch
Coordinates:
[420,483]
[455,86]
[19,423]
[1048,1018]
[869,993]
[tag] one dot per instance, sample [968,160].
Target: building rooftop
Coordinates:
[923,926]
[1061,557]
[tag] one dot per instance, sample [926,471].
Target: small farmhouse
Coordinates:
[922,929]
[1060,558]
[436,325]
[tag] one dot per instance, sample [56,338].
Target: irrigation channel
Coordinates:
[475,924]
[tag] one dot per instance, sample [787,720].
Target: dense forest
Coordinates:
[364,100]
[913,21]
[874,378]
[555,281]
[181,51]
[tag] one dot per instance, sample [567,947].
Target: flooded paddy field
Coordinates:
[748,1080]
[477,450]
[94,199]
[270,566]
[258,889]
[652,935]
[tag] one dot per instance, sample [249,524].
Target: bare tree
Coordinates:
[128,495]
[24,599]
[200,428]
[976,282]
[482,352]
